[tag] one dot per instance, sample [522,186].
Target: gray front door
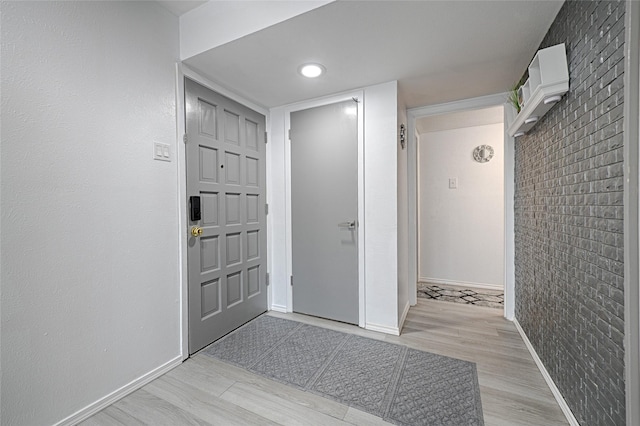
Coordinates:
[324,211]
[227,250]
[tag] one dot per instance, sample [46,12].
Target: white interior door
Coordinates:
[227,248]
[324,211]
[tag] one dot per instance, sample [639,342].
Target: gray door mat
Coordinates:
[401,385]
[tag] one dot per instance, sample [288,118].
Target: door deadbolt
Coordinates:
[196,231]
[195,213]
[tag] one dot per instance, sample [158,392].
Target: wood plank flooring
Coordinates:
[205,391]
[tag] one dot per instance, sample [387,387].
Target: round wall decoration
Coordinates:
[483,153]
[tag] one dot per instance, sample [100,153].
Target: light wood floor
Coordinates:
[205,391]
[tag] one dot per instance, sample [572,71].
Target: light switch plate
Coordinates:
[453,183]
[161,151]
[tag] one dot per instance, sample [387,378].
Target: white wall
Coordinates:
[90,292]
[461,231]
[380,211]
[403,217]
[218,22]
[276,193]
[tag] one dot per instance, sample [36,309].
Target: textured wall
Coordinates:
[90,286]
[568,219]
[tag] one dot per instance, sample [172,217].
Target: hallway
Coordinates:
[205,391]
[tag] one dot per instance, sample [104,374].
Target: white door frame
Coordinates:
[183,71]
[412,180]
[359,95]
[631,132]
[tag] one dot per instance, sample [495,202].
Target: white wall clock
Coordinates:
[483,153]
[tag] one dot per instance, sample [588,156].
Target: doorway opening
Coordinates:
[460,211]
[440,112]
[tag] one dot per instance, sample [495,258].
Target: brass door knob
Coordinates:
[196,231]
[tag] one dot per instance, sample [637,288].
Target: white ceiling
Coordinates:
[439,51]
[180,7]
[457,120]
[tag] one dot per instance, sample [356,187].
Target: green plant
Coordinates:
[513,97]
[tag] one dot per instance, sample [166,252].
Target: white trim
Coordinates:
[361,222]
[182,211]
[383,329]
[412,207]
[631,155]
[403,317]
[463,105]
[509,217]
[183,71]
[221,90]
[102,403]
[462,283]
[358,94]
[268,219]
[279,308]
[413,114]
[547,378]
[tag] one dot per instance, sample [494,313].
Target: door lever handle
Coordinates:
[349,225]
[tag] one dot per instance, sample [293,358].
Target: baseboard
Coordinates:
[486,286]
[547,378]
[383,329]
[405,311]
[114,396]
[278,308]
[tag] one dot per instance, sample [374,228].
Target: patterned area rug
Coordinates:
[401,385]
[469,296]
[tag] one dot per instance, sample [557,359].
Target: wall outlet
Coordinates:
[453,183]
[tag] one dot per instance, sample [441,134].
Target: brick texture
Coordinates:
[569,219]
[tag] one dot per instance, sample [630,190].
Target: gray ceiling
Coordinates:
[439,51]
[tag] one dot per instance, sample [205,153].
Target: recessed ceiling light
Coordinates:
[311,70]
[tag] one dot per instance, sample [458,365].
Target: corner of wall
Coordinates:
[631,213]
[381,200]
[403,212]
[215,23]
[547,378]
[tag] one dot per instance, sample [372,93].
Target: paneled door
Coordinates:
[324,211]
[227,249]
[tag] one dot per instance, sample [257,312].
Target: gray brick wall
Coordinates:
[569,217]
